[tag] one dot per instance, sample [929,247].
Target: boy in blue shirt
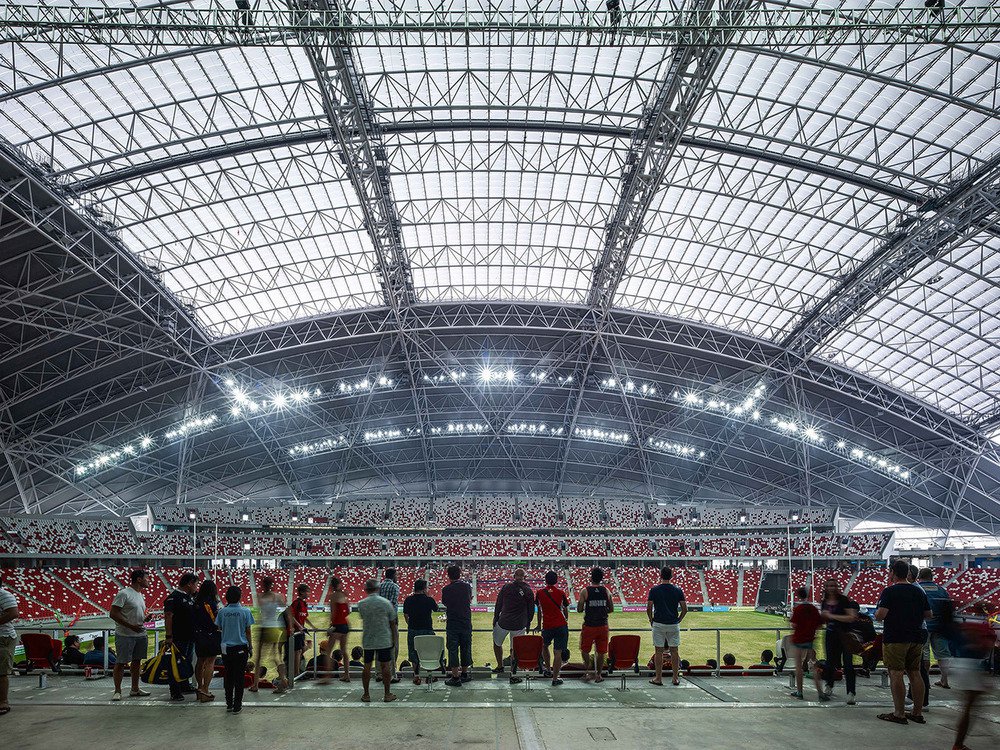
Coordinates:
[234,620]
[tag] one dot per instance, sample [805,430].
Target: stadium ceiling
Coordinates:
[705,201]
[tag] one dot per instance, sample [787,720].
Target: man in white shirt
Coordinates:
[8,639]
[128,610]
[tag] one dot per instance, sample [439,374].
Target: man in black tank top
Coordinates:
[595,603]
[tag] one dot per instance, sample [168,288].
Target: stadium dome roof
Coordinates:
[312,210]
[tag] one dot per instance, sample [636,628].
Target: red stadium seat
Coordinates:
[623,654]
[40,651]
[526,651]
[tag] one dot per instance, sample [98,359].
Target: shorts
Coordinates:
[131,648]
[940,645]
[383,654]
[594,636]
[558,637]
[7,645]
[339,629]
[272,635]
[300,641]
[902,657]
[808,646]
[500,635]
[666,635]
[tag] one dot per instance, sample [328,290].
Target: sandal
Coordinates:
[654,682]
[916,719]
[4,710]
[943,687]
[675,683]
[892,718]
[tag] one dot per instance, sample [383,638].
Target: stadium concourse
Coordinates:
[675,320]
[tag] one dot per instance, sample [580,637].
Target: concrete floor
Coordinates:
[702,713]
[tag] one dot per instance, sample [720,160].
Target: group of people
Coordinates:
[918,618]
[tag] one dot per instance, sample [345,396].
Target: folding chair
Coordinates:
[623,654]
[429,649]
[527,649]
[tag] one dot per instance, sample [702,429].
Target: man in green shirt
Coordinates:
[379,637]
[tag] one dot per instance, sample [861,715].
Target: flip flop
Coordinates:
[892,718]
[676,682]
[654,682]
[916,719]
[389,698]
[366,699]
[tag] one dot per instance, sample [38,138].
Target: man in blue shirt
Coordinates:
[938,598]
[665,621]
[234,620]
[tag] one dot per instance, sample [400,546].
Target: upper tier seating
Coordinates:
[722,585]
[318,546]
[816,516]
[630,546]
[766,546]
[766,517]
[540,547]
[169,544]
[538,513]
[582,546]
[669,515]
[867,545]
[751,586]
[719,518]
[360,546]
[583,513]
[364,513]
[819,545]
[868,586]
[8,545]
[974,585]
[497,547]
[219,514]
[406,547]
[169,514]
[111,537]
[94,583]
[497,512]
[409,513]
[46,536]
[718,547]
[456,512]
[626,515]
[49,591]
[225,545]
[268,516]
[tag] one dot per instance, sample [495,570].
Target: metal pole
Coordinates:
[194,544]
[812,562]
[788,537]
[107,646]
[291,667]
[718,651]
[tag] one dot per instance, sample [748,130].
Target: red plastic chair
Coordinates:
[527,650]
[40,651]
[623,654]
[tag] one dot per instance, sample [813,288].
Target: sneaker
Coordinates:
[908,702]
[824,698]
[453,682]
[466,677]
[851,700]
[498,670]
[556,682]
[176,698]
[117,696]
[828,691]
[229,709]
[140,693]
[796,694]
[238,710]
[514,680]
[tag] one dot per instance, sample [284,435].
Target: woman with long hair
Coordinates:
[207,637]
[271,631]
[340,608]
[838,612]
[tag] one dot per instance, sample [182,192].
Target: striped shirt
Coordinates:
[7,601]
[389,589]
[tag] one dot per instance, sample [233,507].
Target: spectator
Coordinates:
[925,665]
[766,657]
[712,663]
[95,657]
[234,621]
[595,603]
[838,612]
[340,609]
[207,643]
[729,661]
[379,635]
[71,653]
[938,598]
[457,600]
[665,621]
[417,611]
[805,621]
[357,657]
[511,617]
[903,608]
[271,631]
[8,640]
[178,613]
[297,620]
[553,622]
[970,646]
[389,590]
[128,610]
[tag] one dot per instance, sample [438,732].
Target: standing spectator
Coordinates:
[838,612]
[340,609]
[178,612]
[553,621]
[297,620]
[511,617]
[595,603]
[379,637]
[8,639]
[271,632]
[457,600]
[805,621]
[925,663]
[665,621]
[128,610]
[417,610]
[971,643]
[71,653]
[903,608]
[234,621]
[206,638]
[937,597]
[389,590]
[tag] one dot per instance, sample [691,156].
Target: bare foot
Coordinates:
[366,698]
[389,697]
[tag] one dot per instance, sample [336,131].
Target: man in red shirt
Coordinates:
[805,621]
[553,622]
[298,621]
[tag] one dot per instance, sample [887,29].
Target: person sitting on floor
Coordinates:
[357,654]
[72,655]
[95,657]
[712,663]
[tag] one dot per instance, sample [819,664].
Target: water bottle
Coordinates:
[43,680]
[88,673]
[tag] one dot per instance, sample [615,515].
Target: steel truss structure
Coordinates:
[698,199]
